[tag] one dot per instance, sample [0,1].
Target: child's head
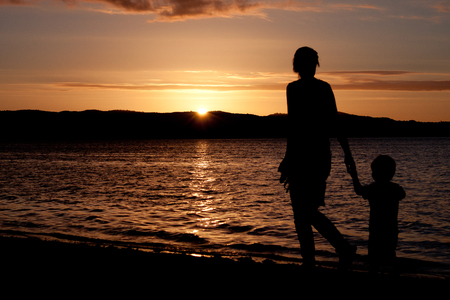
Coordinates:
[383,168]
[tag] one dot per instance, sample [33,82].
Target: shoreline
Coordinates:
[35,261]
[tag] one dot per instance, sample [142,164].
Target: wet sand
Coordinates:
[33,266]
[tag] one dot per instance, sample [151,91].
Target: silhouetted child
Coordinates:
[384,197]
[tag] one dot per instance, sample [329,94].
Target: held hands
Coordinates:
[351,169]
[350,164]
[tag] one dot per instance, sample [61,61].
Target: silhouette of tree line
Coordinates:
[119,124]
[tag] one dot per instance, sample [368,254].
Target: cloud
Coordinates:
[380,85]
[131,5]
[341,80]
[387,81]
[165,10]
[177,10]
[376,73]
[13,2]
[159,87]
[443,7]
[353,7]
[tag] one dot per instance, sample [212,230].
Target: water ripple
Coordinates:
[213,193]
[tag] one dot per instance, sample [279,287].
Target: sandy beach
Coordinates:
[33,265]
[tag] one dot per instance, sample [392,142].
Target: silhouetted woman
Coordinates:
[313,119]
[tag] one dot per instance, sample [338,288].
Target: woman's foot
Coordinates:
[346,257]
[308,264]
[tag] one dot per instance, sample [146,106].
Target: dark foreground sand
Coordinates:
[34,267]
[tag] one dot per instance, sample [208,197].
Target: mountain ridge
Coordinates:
[123,124]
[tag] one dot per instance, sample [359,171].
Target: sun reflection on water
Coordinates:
[204,204]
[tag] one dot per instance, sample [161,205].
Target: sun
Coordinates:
[202,111]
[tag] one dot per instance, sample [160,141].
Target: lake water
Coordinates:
[214,196]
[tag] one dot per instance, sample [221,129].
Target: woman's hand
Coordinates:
[284,178]
[350,163]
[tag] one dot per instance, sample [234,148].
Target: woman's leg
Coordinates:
[327,229]
[305,233]
[302,220]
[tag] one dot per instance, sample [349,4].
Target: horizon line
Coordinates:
[209,111]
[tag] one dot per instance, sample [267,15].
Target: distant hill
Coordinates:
[360,126]
[94,124]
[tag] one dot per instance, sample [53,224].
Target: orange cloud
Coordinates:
[157,87]
[176,10]
[353,7]
[167,9]
[380,85]
[366,80]
[443,7]
[202,7]
[13,2]
[383,80]
[377,73]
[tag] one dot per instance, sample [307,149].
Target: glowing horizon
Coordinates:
[381,59]
[202,111]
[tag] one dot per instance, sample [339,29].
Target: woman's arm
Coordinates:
[356,184]
[349,162]
[341,137]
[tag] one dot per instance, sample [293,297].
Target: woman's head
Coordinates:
[305,62]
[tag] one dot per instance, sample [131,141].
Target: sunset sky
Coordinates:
[382,58]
